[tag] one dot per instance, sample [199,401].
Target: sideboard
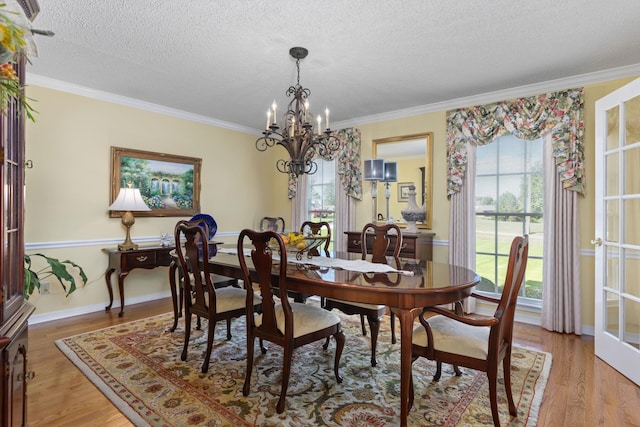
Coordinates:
[124,261]
[414,245]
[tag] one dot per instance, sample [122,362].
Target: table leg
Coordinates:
[121,277]
[107,277]
[173,269]
[406,317]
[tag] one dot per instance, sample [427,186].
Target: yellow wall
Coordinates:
[68,188]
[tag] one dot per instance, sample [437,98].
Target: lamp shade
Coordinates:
[129,199]
[390,172]
[374,170]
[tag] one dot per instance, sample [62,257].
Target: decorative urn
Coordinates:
[413,213]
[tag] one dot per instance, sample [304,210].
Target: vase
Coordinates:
[412,213]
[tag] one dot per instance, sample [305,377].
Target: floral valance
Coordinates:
[348,163]
[526,118]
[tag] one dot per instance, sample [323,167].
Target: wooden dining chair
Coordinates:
[272,223]
[287,324]
[201,298]
[380,241]
[475,341]
[320,228]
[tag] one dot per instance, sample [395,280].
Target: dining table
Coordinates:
[413,285]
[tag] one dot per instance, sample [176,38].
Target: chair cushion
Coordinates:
[455,337]
[306,318]
[358,304]
[230,298]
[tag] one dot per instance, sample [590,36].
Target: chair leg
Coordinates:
[340,339]
[286,373]
[438,373]
[263,349]
[374,324]
[506,367]
[247,376]
[411,391]
[326,343]
[228,329]
[457,370]
[198,323]
[492,374]
[393,328]
[187,334]
[207,356]
[364,330]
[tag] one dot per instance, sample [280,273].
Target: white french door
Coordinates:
[617,238]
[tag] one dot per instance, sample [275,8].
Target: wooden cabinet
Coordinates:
[14,310]
[414,245]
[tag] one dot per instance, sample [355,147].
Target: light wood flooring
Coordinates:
[582,390]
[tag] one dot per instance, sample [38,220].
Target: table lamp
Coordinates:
[128,200]
[390,175]
[374,172]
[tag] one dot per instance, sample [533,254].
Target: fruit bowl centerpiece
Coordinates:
[300,244]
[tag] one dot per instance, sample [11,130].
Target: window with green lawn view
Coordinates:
[509,202]
[321,194]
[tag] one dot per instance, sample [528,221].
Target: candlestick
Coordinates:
[326,114]
[319,125]
[268,119]
[306,111]
[273,106]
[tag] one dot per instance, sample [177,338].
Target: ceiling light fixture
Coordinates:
[297,135]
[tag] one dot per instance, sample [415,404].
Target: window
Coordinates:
[321,194]
[509,202]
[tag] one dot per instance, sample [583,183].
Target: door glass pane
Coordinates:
[611,313]
[631,223]
[631,171]
[613,268]
[612,210]
[632,323]
[613,171]
[632,272]
[632,120]
[613,134]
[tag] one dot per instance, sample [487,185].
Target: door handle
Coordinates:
[597,241]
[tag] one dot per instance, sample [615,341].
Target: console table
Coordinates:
[124,261]
[414,245]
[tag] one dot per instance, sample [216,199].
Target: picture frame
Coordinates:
[403,191]
[168,183]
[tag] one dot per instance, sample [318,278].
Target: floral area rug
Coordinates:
[137,366]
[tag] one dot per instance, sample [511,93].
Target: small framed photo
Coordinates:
[403,191]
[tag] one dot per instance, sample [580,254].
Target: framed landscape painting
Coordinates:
[169,184]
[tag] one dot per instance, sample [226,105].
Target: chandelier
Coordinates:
[297,134]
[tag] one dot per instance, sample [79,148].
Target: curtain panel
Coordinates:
[526,118]
[347,164]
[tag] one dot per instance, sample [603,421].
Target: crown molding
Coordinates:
[67,87]
[485,98]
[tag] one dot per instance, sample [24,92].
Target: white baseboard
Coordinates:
[62,314]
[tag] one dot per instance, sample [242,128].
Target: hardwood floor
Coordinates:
[582,390]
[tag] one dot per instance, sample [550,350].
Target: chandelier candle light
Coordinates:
[297,135]
[128,200]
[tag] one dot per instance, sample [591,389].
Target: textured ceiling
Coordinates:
[227,60]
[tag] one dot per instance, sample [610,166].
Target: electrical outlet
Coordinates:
[45,288]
